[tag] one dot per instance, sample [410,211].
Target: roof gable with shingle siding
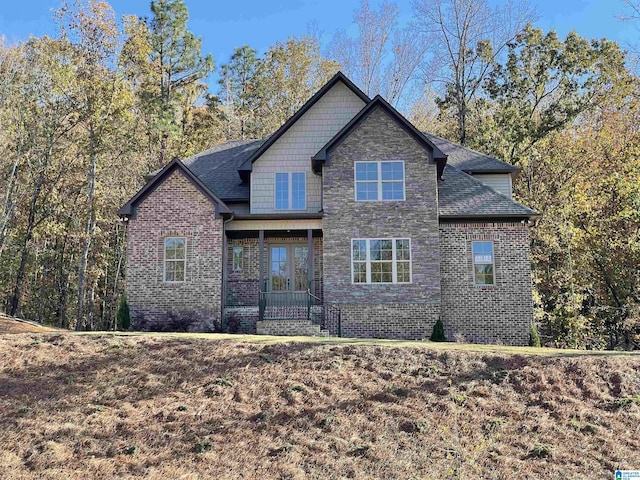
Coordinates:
[292,151]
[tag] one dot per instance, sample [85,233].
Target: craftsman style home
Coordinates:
[346,221]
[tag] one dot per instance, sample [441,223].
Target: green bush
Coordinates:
[438,332]
[123,316]
[534,338]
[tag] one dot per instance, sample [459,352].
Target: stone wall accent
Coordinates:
[382,310]
[379,137]
[242,286]
[408,321]
[486,314]
[176,208]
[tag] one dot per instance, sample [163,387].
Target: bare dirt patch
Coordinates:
[164,407]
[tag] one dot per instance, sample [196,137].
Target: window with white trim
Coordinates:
[381,260]
[376,181]
[290,191]
[483,262]
[237,258]
[175,254]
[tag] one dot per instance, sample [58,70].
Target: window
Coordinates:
[237,258]
[381,260]
[291,191]
[174,259]
[483,263]
[377,181]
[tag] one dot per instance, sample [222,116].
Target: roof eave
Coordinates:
[279,216]
[505,216]
[480,171]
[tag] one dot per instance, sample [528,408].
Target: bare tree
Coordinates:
[466,37]
[383,57]
[633,7]
[632,14]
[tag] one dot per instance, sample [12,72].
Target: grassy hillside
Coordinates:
[12,325]
[75,407]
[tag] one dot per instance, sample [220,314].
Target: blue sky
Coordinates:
[224,25]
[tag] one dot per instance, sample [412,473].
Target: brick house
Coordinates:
[346,221]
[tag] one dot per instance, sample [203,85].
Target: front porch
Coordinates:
[272,280]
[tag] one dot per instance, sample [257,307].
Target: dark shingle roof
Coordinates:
[461,195]
[469,160]
[218,167]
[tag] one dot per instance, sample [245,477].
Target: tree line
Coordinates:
[88,112]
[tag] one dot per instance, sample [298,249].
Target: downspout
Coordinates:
[223,290]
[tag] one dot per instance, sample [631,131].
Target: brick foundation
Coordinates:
[289,328]
[408,321]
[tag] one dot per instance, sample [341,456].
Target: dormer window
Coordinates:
[379,181]
[290,191]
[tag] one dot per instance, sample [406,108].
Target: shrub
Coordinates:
[123,316]
[438,332]
[203,446]
[534,338]
[180,321]
[233,323]
[139,322]
[541,451]
[131,450]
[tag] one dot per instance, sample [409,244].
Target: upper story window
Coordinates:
[483,262]
[377,181]
[237,258]
[383,260]
[175,254]
[290,191]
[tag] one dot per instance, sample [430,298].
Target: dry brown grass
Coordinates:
[75,407]
[11,325]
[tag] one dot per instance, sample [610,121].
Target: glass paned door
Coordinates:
[288,268]
[300,267]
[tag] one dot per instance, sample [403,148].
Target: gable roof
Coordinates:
[469,160]
[323,155]
[175,164]
[462,196]
[338,77]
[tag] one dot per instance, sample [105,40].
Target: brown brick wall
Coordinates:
[379,137]
[486,314]
[370,310]
[409,321]
[175,208]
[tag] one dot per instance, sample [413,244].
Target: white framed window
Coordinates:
[175,256]
[237,258]
[379,181]
[381,260]
[290,191]
[483,263]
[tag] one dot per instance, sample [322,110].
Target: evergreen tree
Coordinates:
[438,332]
[242,90]
[178,67]
[123,315]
